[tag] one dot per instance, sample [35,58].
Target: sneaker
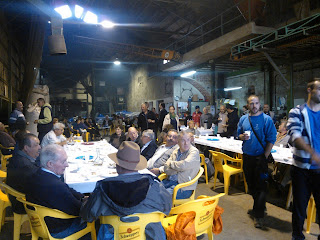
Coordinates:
[258,222]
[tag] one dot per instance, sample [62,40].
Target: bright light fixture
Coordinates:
[64,11]
[107,24]
[165,61]
[90,17]
[187,74]
[116,62]
[231,89]
[78,11]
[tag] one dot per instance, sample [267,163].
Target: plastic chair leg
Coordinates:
[206,173]
[311,212]
[2,214]
[215,179]
[226,177]
[245,183]
[16,226]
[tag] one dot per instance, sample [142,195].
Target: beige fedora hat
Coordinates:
[128,156]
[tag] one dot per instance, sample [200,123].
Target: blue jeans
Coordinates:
[181,194]
[76,226]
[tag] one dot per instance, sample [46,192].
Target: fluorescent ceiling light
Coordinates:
[107,24]
[78,11]
[187,74]
[64,11]
[90,17]
[231,89]
[117,62]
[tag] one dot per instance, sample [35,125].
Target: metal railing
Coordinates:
[219,23]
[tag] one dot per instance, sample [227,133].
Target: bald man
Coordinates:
[16,113]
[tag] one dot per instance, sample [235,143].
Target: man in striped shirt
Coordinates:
[304,128]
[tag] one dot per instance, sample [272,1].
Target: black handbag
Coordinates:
[270,157]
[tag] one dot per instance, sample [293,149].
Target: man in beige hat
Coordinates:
[128,193]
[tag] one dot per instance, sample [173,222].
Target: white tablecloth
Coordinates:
[283,155]
[85,167]
[83,171]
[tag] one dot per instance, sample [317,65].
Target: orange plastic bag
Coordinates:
[183,228]
[217,220]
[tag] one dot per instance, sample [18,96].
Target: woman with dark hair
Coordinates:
[172,118]
[118,137]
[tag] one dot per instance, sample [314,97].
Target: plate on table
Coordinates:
[84,158]
[87,143]
[273,150]
[212,139]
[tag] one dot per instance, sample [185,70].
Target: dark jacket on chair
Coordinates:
[47,189]
[20,168]
[150,150]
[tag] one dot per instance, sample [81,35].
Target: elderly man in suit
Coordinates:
[45,188]
[149,146]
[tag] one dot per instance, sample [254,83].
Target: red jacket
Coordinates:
[196,117]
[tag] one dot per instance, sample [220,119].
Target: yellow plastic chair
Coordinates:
[217,163]
[87,136]
[131,230]
[4,201]
[311,214]
[204,208]
[203,163]
[229,169]
[18,219]
[176,202]
[39,228]
[4,158]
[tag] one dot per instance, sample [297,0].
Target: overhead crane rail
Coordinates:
[134,49]
[294,31]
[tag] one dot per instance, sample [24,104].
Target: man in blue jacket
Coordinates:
[130,192]
[304,129]
[255,154]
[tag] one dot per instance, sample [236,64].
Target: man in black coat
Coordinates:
[163,112]
[149,146]
[21,166]
[233,120]
[146,119]
[45,188]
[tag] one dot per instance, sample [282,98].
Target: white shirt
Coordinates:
[145,146]
[161,150]
[51,138]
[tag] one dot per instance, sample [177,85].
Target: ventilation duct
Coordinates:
[56,42]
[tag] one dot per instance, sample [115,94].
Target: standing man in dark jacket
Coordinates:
[163,112]
[233,120]
[45,118]
[21,166]
[146,119]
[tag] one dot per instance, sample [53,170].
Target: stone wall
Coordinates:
[143,88]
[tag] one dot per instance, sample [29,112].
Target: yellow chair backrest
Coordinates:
[11,191]
[225,158]
[204,209]
[217,161]
[37,214]
[3,174]
[131,230]
[4,158]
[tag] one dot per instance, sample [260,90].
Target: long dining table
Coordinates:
[280,154]
[89,163]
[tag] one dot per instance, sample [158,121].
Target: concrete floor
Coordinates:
[237,224]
